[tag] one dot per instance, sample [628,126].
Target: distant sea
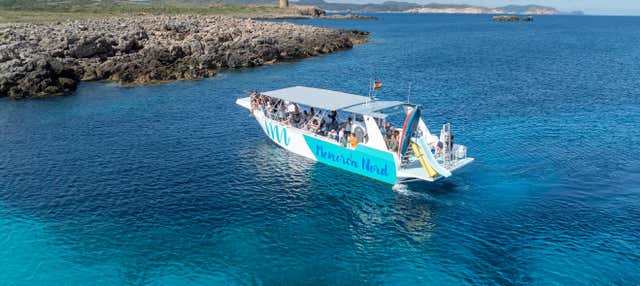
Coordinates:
[174,184]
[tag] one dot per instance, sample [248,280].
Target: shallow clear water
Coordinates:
[175,184]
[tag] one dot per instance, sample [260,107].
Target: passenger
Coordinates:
[305,117]
[282,113]
[335,120]
[332,134]
[353,141]
[438,150]
[274,107]
[347,127]
[327,119]
[292,108]
[263,102]
[321,130]
[254,102]
[333,116]
[268,108]
[318,127]
[293,119]
[341,137]
[312,112]
[394,141]
[388,130]
[314,125]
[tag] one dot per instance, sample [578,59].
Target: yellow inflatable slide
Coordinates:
[423,161]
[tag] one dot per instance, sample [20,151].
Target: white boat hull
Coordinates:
[363,160]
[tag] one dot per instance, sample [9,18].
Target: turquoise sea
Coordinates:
[174,184]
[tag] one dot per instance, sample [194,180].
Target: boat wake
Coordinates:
[400,188]
[403,189]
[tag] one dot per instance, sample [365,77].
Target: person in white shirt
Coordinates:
[282,112]
[341,137]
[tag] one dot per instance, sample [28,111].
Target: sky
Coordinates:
[598,7]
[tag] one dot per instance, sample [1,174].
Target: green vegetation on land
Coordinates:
[49,11]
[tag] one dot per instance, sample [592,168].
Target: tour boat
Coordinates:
[411,153]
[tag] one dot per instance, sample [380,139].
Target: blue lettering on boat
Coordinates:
[363,160]
[338,158]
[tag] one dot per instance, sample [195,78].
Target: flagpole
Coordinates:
[370,89]
[375,91]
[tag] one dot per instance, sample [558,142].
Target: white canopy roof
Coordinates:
[371,107]
[318,98]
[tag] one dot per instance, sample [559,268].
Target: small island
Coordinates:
[511,18]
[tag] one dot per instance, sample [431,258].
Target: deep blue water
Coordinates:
[175,184]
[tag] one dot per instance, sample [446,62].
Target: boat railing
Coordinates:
[451,153]
[305,126]
[448,156]
[312,125]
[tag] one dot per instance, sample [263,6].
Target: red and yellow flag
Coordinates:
[377,84]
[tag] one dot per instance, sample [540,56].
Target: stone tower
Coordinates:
[284,3]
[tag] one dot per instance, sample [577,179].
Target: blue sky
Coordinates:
[606,7]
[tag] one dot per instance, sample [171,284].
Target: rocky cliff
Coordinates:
[42,60]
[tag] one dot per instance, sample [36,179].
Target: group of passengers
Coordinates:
[289,113]
[391,136]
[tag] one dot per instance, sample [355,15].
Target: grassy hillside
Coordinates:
[46,11]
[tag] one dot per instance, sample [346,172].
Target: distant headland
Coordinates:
[435,8]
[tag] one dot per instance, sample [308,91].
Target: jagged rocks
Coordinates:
[39,76]
[44,60]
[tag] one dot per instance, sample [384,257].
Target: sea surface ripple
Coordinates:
[175,184]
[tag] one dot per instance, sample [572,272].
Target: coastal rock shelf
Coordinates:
[45,60]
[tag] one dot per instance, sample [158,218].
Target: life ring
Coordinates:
[359,131]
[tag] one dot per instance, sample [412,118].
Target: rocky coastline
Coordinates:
[41,60]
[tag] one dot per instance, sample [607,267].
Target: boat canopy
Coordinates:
[332,100]
[318,98]
[371,108]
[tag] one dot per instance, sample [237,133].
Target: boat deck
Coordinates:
[414,173]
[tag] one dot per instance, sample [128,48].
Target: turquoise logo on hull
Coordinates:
[277,133]
[363,160]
